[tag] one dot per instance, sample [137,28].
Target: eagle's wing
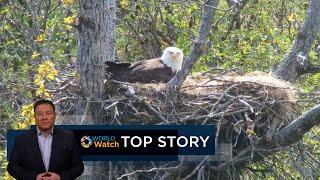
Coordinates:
[118,71]
[117,66]
[149,71]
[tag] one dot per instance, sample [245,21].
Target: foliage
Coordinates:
[257,39]
[313,82]
[31,34]
[148,27]
[46,71]
[294,163]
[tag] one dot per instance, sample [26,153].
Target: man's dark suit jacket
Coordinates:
[26,160]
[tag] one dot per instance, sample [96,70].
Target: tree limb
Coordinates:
[296,129]
[174,85]
[286,136]
[311,69]
[296,59]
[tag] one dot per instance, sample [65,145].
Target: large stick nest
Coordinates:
[209,98]
[242,107]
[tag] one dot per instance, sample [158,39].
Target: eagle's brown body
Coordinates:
[148,71]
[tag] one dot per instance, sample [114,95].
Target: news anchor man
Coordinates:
[45,152]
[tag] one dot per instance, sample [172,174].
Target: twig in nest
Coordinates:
[156,113]
[197,168]
[150,170]
[111,105]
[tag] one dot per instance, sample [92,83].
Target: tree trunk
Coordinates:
[295,62]
[96,44]
[174,85]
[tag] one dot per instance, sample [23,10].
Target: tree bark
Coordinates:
[296,129]
[96,44]
[174,85]
[295,61]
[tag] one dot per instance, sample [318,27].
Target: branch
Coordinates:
[174,85]
[296,59]
[197,168]
[311,69]
[296,129]
[286,136]
[149,170]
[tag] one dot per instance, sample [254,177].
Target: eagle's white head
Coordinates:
[172,57]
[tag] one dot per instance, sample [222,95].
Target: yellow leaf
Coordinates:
[45,69]
[38,93]
[124,3]
[35,54]
[67,2]
[48,63]
[40,38]
[19,125]
[46,94]
[292,17]
[69,20]
[51,76]
[41,87]
[30,121]
[38,80]
[41,71]
[68,27]
[27,110]
[251,133]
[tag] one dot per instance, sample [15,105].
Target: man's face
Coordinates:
[45,117]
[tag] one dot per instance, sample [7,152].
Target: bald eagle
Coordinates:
[148,71]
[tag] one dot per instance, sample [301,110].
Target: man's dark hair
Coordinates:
[43,101]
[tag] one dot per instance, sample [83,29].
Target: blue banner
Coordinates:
[137,142]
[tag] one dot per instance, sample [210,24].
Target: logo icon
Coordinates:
[86,141]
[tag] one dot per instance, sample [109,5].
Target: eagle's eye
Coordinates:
[171,52]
